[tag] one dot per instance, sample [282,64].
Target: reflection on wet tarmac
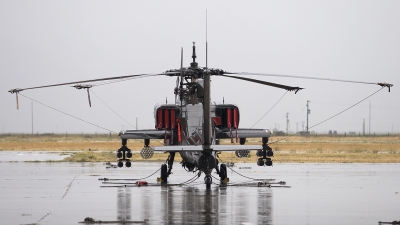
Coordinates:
[67,193]
[147,202]
[264,206]
[124,204]
[218,205]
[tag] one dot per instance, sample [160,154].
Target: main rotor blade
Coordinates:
[310,78]
[288,88]
[16,90]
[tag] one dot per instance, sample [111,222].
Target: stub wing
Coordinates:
[196,148]
[242,133]
[144,134]
[220,134]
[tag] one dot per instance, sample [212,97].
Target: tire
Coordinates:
[164,173]
[222,172]
[208,181]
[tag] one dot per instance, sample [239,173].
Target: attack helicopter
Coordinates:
[193,126]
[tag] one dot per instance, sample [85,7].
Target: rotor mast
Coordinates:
[206,104]
[207,118]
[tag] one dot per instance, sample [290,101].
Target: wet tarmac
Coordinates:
[67,193]
[23,156]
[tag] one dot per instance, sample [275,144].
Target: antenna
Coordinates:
[206,42]
[369,127]
[287,123]
[308,112]
[364,127]
[32,115]
[206,25]
[206,103]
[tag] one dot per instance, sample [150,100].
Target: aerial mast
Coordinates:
[308,112]
[287,123]
[369,127]
[32,115]
[206,101]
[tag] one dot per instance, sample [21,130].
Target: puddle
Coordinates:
[67,193]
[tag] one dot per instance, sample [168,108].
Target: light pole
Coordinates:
[32,115]
[308,112]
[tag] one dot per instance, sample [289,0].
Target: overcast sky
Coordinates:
[48,42]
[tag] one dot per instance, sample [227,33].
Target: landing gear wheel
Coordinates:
[260,162]
[268,162]
[208,181]
[120,164]
[223,174]
[164,173]
[129,154]
[119,154]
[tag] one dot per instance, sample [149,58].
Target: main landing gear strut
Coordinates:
[222,173]
[166,169]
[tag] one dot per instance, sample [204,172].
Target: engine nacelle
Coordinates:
[226,116]
[165,116]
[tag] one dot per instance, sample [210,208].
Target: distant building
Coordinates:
[304,133]
[332,132]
